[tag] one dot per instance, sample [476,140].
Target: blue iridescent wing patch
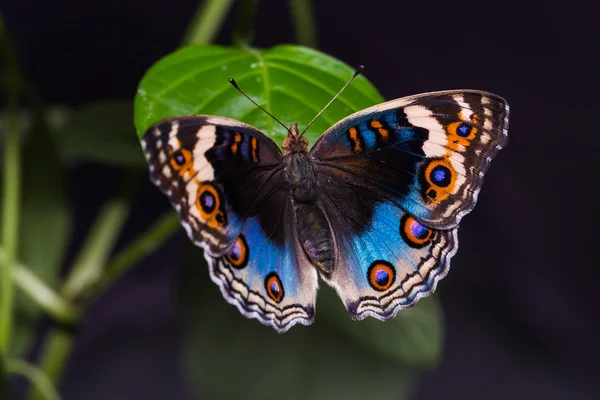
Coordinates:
[265,279]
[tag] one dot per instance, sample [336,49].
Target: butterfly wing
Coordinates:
[224,179]
[389,264]
[395,180]
[266,274]
[425,153]
[213,170]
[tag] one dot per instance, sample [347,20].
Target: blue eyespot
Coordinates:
[239,253]
[414,233]
[274,287]
[207,201]
[381,275]
[179,158]
[463,130]
[441,176]
[419,231]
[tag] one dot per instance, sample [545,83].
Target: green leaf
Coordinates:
[101,131]
[291,82]
[414,337]
[229,356]
[45,225]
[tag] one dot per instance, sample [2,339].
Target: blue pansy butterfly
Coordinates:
[373,207]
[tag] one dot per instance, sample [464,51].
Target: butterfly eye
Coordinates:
[381,275]
[238,254]
[274,287]
[413,232]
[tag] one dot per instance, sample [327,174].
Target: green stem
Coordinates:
[207,22]
[89,265]
[48,300]
[35,375]
[143,245]
[243,34]
[12,189]
[304,22]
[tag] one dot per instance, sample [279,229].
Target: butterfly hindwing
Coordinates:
[265,274]
[426,153]
[388,264]
[213,170]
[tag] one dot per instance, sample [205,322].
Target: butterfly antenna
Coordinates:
[235,85]
[356,73]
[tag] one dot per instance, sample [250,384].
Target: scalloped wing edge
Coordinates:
[243,305]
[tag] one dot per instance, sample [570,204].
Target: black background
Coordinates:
[520,301]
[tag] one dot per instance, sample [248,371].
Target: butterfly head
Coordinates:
[294,142]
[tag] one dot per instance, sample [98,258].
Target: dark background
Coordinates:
[520,301]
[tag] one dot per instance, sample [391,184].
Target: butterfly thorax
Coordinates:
[313,228]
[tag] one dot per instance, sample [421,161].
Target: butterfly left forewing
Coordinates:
[213,169]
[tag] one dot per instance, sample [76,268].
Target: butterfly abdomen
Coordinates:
[315,235]
[313,229]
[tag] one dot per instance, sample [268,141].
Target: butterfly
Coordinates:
[373,208]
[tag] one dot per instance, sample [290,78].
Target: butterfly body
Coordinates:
[373,207]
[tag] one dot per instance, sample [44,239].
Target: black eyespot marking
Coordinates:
[239,253]
[274,287]
[179,158]
[381,275]
[441,175]
[414,233]
[438,179]
[210,206]
[464,130]
[208,201]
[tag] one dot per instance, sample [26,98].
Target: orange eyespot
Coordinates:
[180,159]
[274,287]
[461,133]
[413,232]
[238,254]
[381,275]
[208,204]
[440,179]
